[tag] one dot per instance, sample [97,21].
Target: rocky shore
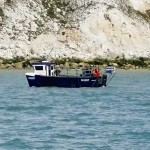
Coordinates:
[73,63]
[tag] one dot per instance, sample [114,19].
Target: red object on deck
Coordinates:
[95,72]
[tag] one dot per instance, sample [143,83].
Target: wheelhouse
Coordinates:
[44,68]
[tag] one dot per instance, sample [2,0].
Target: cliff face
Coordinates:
[80,28]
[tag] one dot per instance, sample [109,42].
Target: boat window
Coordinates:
[88,72]
[38,67]
[52,67]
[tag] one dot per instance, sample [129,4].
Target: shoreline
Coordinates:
[31,69]
[21,63]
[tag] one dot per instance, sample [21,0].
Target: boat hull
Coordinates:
[66,81]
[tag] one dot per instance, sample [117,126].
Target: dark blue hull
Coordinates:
[66,81]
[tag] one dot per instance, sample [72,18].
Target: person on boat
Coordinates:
[95,72]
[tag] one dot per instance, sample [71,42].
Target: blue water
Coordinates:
[113,118]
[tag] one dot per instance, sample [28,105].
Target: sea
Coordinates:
[116,117]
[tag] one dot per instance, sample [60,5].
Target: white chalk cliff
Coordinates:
[75,28]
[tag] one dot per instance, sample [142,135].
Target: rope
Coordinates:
[110,79]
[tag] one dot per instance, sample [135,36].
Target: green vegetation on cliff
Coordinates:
[123,63]
[58,9]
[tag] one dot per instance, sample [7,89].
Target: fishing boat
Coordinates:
[45,74]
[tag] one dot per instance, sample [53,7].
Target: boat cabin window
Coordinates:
[87,72]
[38,67]
[52,67]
